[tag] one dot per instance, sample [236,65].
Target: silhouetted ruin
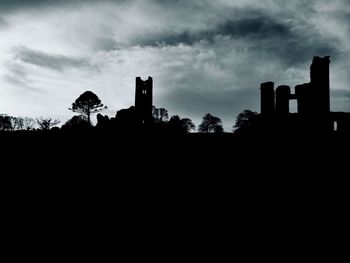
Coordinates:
[283,95]
[313,102]
[139,115]
[312,98]
[85,194]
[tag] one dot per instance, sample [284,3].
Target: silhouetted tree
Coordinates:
[188,125]
[46,123]
[28,123]
[11,123]
[177,124]
[160,114]
[17,123]
[87,104]
[5,123]
[245,121]
[211,124]
[77,122]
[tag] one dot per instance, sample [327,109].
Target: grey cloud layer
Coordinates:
[288,40]
[55,62]
[11,5]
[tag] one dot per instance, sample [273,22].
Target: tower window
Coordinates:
[293,106]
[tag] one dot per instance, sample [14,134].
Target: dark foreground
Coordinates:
[174,197]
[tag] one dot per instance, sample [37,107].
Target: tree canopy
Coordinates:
[177,124]
[5,123]
[47,123]
[245,121]
[211,124]
[87,104]
[160,114]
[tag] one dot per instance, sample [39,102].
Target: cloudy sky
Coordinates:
[204,55]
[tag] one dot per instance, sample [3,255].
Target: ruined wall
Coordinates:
[267,98]
[283,95]
[313,98]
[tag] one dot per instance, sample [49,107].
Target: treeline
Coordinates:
[10,123]
[88,104]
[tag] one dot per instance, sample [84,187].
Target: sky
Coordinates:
[205,56]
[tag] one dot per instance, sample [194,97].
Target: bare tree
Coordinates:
[5,123]
[10,123]
[28,123]
[17,123]
[46,123]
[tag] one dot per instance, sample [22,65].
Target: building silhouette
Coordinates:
[141,114]
[144,100]
[313,102]
[312,98]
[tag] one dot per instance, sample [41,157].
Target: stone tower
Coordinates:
[267,98]
[144,100]
[319,74]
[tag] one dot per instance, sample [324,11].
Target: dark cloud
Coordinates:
[257,27]
[105,44]
[18,4]
[269,35]
[253,25]
[10,5]
[41,59]
[299,49]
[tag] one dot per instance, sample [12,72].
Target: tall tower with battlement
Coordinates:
[144,100]
[319,74]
